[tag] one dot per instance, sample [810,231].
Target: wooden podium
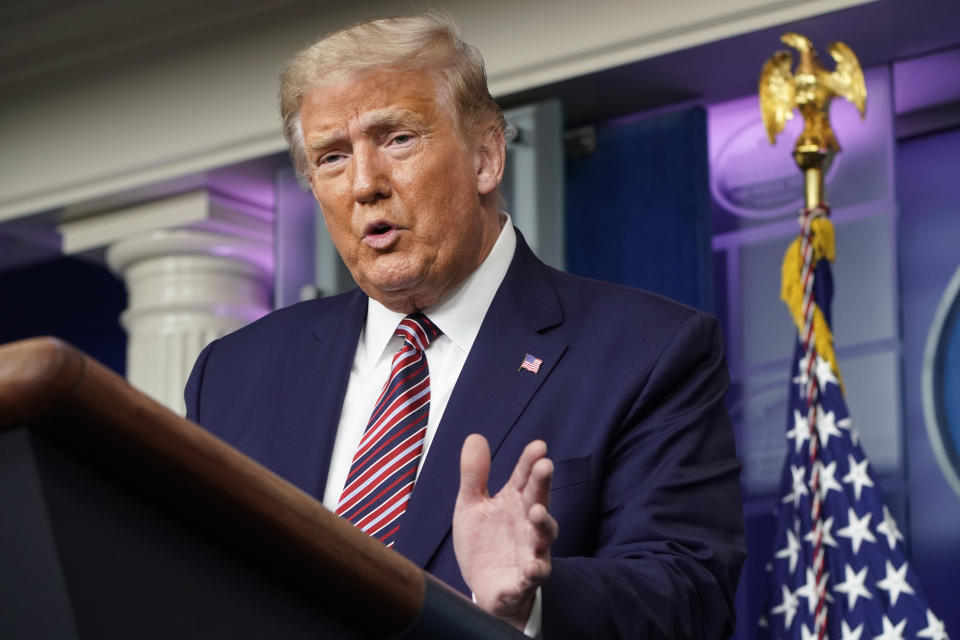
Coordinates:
[122,520]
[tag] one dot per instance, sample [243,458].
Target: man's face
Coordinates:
[409,201]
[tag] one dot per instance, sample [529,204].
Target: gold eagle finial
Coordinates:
[810,89]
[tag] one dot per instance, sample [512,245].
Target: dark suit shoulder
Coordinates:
[239,381]
[585,300]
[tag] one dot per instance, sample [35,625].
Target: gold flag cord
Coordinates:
[791,287]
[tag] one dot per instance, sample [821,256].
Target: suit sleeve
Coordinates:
[670,541]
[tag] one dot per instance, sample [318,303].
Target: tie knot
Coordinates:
[417,330]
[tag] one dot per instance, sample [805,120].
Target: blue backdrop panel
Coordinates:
[72,299]
[928,234]
[951,377]
[638,208]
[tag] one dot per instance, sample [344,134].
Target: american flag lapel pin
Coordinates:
[530,363]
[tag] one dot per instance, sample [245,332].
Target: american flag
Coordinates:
[531,363]
[870,591]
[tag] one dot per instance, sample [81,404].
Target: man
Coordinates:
[640,535]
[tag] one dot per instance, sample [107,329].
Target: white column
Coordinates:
[185,288]
[197,265]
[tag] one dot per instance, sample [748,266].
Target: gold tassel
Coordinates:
[791,289]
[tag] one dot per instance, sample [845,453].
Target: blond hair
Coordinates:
[430,41]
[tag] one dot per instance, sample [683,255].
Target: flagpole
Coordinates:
[810,90]
[813,152]
[812,161]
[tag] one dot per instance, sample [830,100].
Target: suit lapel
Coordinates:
[489,396]
[315,382]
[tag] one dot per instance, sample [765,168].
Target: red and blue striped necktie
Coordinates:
[384,467]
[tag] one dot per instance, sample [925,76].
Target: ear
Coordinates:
[491,157]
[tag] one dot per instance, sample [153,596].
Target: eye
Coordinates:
[329,158]
[401,139]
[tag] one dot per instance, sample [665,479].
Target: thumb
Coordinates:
[474,469]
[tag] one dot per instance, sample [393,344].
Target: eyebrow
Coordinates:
[325,141]
[374,122]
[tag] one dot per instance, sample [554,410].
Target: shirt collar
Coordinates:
[459,314]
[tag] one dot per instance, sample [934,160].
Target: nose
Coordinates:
[370,180]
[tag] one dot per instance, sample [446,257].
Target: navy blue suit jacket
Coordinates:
[629,399]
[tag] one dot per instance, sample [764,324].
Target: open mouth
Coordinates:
[378,228]
[379,234]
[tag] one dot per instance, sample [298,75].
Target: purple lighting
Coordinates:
[754,180]
[924,82]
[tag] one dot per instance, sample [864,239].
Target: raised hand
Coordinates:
[502,543]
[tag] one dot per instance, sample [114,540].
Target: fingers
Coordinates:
[474,469]
[533,452]
[545,529]
[537,571]
[537,489]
